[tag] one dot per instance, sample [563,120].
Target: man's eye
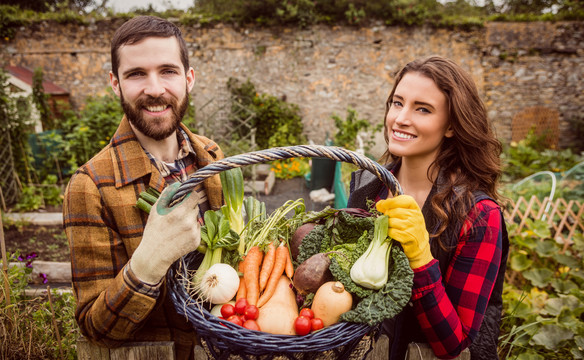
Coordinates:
[170,72]
[135,74]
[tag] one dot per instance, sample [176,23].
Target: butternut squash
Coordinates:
[330,302]
[278,314]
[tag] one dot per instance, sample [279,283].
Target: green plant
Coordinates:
[41,100]
[353,15]
[349,128]
[92,129]
[542,301]
[529,156]
[31,199]
[297,11]
[277,122]
[28,324]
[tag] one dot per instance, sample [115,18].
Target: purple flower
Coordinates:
[44,277]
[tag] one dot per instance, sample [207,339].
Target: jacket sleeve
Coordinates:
[111,303]
[450,313]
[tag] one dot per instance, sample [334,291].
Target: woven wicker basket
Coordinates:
[225,340]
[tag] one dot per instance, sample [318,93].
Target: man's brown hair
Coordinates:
[142,27]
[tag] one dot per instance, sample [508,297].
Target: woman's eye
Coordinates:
[424,110]
[396,103]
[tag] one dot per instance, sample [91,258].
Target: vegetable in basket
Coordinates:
[347,237]
[217,235]
[232,186]
[371,269]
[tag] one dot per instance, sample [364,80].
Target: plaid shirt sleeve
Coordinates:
[450,313]
[112,302]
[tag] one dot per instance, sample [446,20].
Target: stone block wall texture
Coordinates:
[325,70]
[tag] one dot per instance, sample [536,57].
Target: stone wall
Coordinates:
[327,69]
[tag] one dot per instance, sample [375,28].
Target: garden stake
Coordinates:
[55,322]
[5,269]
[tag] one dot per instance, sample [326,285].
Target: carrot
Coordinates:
[267,265]
[279,267]
[251,274]
[289,265]
[241,291]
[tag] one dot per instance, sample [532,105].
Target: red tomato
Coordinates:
[251,324]
[316,324]
[307,312]
[240,306]
[251,312]
[235,319]
[302,325]
[227,310]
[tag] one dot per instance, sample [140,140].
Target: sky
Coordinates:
[159,5]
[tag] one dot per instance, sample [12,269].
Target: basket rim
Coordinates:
[286,152]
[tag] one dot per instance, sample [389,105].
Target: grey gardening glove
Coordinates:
[169,234]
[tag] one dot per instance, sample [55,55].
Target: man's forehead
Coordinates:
[151,48]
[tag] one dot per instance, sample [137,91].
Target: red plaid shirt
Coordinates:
[450,310]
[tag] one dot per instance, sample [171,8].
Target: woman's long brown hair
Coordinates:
[468,161]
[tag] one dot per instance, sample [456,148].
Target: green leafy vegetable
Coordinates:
[347,238]
[232,186]
[217,235]
[371,269]
[387,302]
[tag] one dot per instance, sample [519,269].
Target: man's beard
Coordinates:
[153,128]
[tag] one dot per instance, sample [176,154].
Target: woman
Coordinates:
[446,158]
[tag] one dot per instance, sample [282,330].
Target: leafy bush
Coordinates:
[277,122]
[542,301]
[529,156]
[88,133]
[350,127]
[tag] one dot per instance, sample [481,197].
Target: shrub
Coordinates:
[542,301]
[277,123]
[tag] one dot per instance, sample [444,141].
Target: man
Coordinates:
[119,255]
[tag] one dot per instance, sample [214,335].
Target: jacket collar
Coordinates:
[130,162]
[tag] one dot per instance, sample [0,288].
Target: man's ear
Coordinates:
[190,79]
[114,83]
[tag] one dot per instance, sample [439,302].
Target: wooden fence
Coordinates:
[563,216]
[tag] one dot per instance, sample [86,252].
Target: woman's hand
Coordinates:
[407,225]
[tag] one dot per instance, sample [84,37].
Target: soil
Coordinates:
[50,242]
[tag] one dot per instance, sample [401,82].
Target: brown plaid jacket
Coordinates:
[104,228]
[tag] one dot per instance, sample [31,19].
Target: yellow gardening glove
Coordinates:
[407,225]
[169,234]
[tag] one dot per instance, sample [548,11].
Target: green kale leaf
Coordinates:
[387,302]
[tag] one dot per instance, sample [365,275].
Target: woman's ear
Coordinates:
[449,132]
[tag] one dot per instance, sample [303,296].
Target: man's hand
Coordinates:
[407,225]
[169,234]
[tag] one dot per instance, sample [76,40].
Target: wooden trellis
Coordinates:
[9,187]
[564,217]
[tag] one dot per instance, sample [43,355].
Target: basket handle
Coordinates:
[287,152]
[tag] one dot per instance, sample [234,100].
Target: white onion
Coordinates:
[219,284]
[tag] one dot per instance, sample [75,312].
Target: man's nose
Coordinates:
[154,87]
